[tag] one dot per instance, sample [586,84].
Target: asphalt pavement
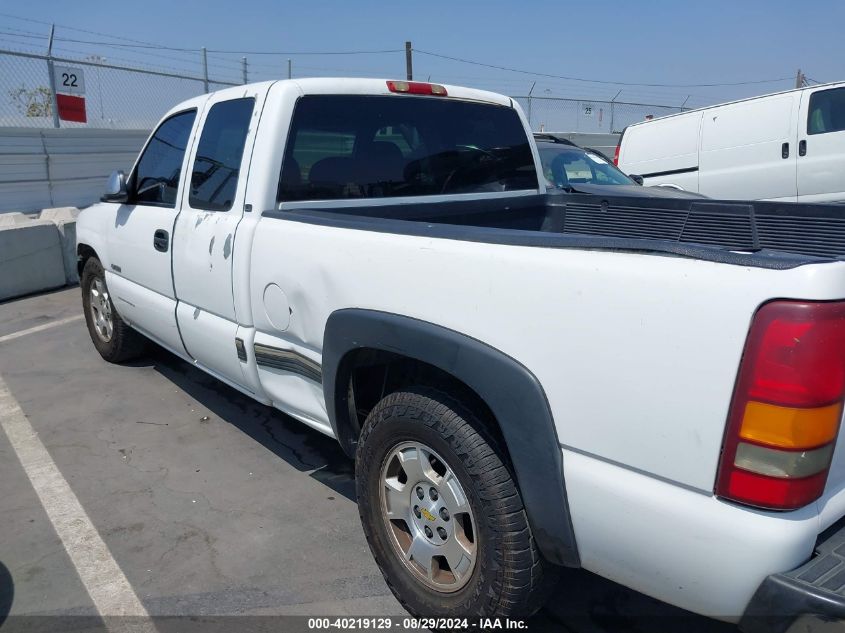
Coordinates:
[212,508]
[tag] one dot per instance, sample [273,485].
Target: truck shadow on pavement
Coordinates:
[583,602]
[7,593]
[305,449]
[580,602]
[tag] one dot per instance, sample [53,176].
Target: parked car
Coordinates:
[582,170]
[787,146]
[650,389]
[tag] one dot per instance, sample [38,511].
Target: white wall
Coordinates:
[42,168]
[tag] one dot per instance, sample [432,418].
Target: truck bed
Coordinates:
[761,234]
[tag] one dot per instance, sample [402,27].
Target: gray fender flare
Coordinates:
[512,392]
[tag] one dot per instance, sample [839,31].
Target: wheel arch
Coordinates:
[84,252]
[508,391]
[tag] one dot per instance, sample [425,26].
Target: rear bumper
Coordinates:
[815,590]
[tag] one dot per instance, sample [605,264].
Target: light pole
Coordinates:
[529,103]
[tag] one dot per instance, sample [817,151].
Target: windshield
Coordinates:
[565,166]
[355,146]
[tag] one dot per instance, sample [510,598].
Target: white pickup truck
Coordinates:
[648,389]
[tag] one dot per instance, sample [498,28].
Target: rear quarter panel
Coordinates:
[637,353]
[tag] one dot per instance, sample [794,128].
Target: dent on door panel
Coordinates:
[203,341]
[202,263]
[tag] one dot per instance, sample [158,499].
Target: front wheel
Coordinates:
[111,335]
[442,513]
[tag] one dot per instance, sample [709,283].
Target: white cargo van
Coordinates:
[786,146]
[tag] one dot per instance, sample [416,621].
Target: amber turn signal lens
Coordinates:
[790,427]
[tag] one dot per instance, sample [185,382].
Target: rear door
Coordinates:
[748,149]
[212,208]
[821,145]
[140,279]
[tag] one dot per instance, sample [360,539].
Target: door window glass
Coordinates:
[156,178]
[827,111]
[214,177]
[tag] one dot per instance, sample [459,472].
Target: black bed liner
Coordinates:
[760,234]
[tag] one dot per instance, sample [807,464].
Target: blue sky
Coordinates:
[649,42]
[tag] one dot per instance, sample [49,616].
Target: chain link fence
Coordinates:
[554,114]
[123,97]
[25,97]
[116,97]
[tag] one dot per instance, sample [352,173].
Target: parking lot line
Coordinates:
[100,574]
[39,328]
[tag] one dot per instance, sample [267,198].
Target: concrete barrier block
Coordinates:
[59,213]
[30,258]
[67,236]
[65,220]
[14,218]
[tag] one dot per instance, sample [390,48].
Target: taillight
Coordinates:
[786,408]
[417,88]
[616,153]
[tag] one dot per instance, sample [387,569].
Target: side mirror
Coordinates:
[636,178]
[116,188]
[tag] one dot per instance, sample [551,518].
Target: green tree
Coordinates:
[35,102]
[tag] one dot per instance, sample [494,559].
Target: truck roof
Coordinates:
[341,85]
[348,86]
[831,84]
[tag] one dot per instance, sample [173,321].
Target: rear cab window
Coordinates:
[353,146]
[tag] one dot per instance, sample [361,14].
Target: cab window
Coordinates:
[357,146]
[827,111]
[156,177]
[214,176]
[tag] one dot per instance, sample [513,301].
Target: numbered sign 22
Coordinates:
[69,80]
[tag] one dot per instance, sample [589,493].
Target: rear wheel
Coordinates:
[112,337]
[442,513]
[427,517]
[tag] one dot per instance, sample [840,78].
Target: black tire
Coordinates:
[124,343]
[510,578]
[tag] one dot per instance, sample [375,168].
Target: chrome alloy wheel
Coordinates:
[428,517]
[101,310]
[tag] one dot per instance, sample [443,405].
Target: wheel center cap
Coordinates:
[428,513]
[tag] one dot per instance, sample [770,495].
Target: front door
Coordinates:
[212,207]
[821,146]
[139,275]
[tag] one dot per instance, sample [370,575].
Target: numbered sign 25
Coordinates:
[69,80]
